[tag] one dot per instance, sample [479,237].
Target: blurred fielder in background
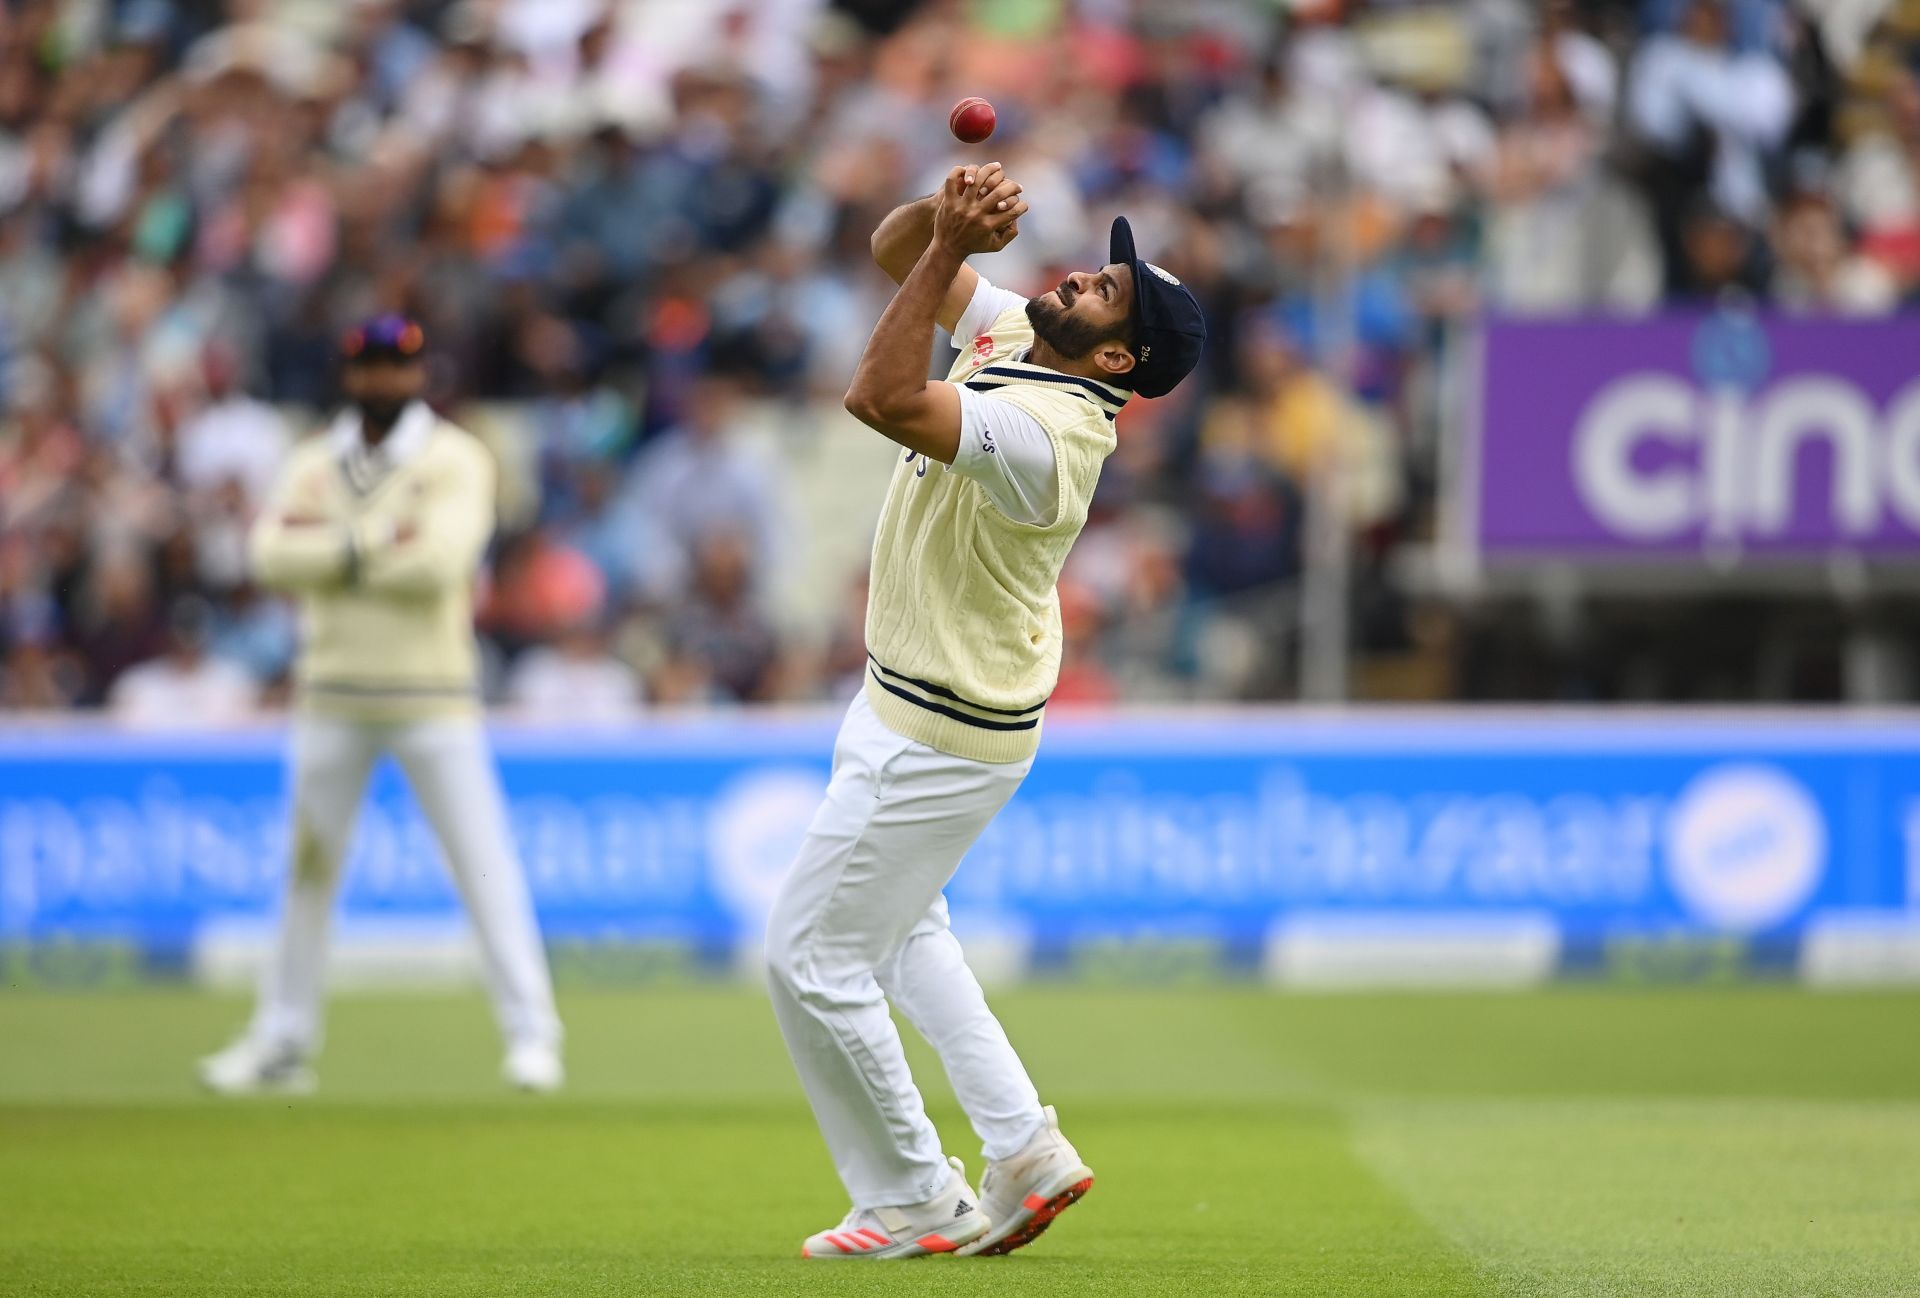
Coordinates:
[379,527]
[964,639]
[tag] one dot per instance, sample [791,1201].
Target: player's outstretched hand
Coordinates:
[980,209]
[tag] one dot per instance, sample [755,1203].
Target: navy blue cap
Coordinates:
[1169,330]
[390,337]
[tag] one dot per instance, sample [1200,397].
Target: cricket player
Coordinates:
[963,637]
[378,527]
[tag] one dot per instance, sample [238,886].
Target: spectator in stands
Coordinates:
[186,687]
[119,621]
[1721,258]
[1563,231]
[1711,116]
[613,533]
[36,672]
[540,588]
[575,680]
[723,648]
[232,438]
[1247,534]
[845,666]
[639,228]
[1240,566]
[579,419]
[1301,426]
[1877,179]
[1817,270]
[257,633]
[700,479]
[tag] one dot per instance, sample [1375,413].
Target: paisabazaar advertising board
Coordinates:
[1587,831]
[1726,432]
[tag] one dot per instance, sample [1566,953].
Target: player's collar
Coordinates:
[366,465]
[1105,397]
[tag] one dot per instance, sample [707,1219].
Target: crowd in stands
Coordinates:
[636,233]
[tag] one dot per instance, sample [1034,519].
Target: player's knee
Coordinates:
[790,943]
[316,854]
[797,970]
[790,976]
[785,968]
[791,968]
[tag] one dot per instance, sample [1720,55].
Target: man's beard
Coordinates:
[380,412]
[1071,338]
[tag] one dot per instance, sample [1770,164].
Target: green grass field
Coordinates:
[1745,1141]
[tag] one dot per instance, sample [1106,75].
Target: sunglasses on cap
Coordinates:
[384,338]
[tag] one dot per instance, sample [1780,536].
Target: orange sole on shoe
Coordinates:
[1044,1211]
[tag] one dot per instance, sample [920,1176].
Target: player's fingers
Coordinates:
[958,179]
[1002,195]
[987,177]
[999,220]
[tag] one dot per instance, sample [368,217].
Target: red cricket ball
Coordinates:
[971,120]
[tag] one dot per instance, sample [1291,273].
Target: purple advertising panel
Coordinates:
[1724,432]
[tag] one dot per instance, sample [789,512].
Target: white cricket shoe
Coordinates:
[940,1225]
[253,1067]
[1023,1194]
[534,1066]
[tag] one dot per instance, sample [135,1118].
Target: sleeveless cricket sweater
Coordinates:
[963,619]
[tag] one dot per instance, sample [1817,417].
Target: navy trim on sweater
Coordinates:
[946,693]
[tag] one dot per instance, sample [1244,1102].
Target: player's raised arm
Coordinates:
[907,230]
[890,392]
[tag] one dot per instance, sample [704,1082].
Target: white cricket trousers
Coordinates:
[860,922]
[451,772]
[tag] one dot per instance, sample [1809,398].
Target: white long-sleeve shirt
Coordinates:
[1002,447]
[1745,100]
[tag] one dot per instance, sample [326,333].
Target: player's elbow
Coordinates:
[269,575]
[266,563]
[865,405]
[887,258]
